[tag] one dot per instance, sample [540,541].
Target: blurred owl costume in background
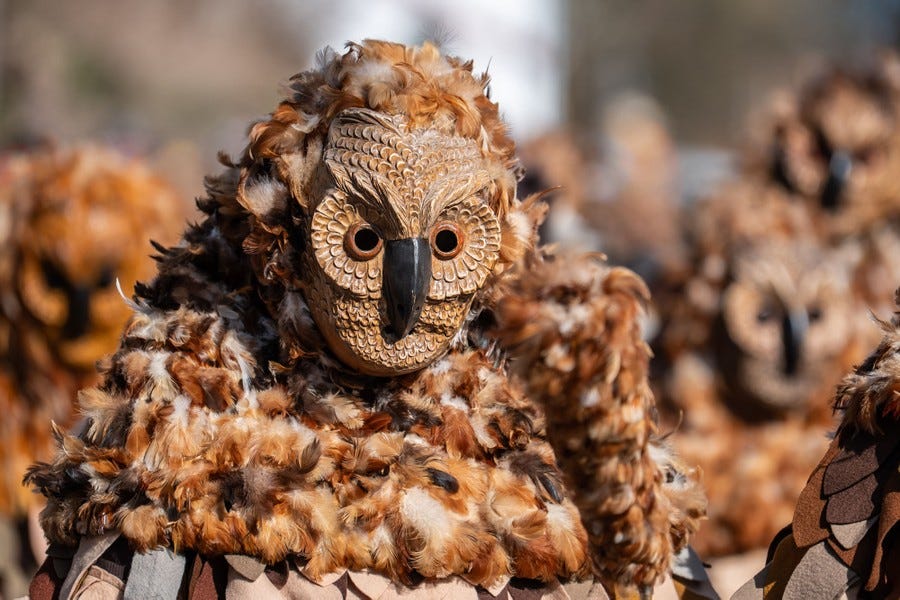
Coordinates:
[747,401]
[616,193]
[834,153]
[71,222]
[345,381]
[843,542]
[787,261]
[834,149]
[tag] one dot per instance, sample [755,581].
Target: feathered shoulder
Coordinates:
[574,327]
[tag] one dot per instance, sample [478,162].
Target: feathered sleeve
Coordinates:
[844,535]
[146,444]
[186,358]
[573,327]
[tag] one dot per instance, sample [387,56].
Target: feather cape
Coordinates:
[44,197]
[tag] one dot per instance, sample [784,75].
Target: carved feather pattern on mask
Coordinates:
[467,272]
[373,158]
[333,218]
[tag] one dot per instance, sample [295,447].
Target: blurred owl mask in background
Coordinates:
[81,220]
[786,317]
[837,147]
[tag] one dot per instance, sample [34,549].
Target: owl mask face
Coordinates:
[82,218]
[66,276]
[788,320]
[838,150]
[401,240]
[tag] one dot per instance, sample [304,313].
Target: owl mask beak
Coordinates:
[79,316]
[793,330]
[839,169]
[405,283]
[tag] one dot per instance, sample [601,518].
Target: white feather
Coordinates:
[128,301]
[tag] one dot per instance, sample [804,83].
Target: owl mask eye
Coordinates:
[447,240]
[362,242]
[53,275]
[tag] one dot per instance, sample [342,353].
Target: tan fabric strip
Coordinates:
[753,589]
[787,557]
[246,566]
[89,550]
[370,585]
[820,574]
[99,584]
[156,575]
[851,534]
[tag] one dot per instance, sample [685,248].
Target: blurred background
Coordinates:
[636,107]
[186,78]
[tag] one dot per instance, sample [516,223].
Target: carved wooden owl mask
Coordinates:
[382,198]
[401,240]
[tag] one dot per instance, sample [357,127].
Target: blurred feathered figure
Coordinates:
[787,260]
[358,376]
[843,538]
[754,348]
[72,222]
[617,193]
[835,146]
[558,168]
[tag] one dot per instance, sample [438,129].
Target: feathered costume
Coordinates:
[72,221]
[227,430]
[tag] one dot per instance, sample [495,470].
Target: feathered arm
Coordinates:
[572,326]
